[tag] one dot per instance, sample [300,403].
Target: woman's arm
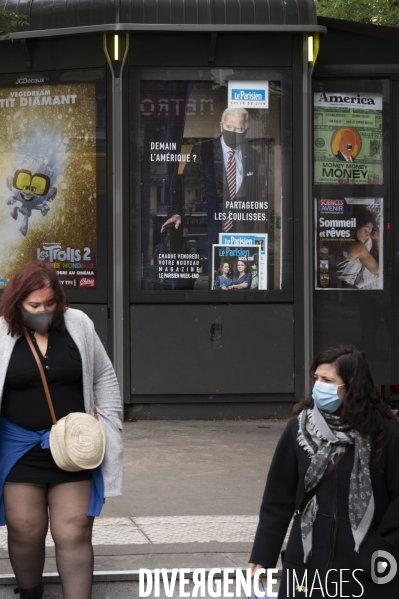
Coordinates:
[220,284]
[360,252]
[245,284]
[107,397]
[108,401]
[240,286]
[278,502]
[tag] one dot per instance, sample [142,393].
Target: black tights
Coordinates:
[27,509]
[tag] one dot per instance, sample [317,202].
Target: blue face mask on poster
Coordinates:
[325,396]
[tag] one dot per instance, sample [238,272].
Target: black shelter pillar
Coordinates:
[116,47]
[304,57]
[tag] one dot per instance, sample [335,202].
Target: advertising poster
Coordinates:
[207,168]
[349,243]
[347,138]
[251,240]
[48,177]
[235,267]
[178,266]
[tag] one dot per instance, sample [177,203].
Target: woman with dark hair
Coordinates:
[80,377]
[223,280]
[360,269]
[336,468]
[242,275]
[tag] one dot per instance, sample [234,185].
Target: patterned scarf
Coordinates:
[323,436]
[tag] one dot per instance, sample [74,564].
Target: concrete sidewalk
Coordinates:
[192,494]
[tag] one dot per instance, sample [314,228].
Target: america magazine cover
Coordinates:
[347,138]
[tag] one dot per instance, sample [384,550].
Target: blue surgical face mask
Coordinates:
[325,396]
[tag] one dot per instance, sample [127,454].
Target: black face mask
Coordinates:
[233,139]
[38,321]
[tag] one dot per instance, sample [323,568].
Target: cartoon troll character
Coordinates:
[39,161]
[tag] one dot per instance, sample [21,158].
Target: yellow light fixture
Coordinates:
[310,48]
[116,47]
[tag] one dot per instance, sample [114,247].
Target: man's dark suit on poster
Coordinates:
[343,158]
[207,175]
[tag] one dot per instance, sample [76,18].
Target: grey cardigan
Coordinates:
[100,388]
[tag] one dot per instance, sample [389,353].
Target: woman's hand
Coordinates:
[253,568]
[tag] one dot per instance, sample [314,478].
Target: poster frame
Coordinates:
[137,295]
[353,86]
[97,76]
[317,256]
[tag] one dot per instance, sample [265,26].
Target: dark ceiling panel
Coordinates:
[262,12]
[58,14]
[291,15]
[277,12]
[191,11]
[248,12]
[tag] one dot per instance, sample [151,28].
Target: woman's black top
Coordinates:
[25,404]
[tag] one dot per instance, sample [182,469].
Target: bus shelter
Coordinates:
[169,145]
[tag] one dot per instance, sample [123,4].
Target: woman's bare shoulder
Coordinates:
[357,250]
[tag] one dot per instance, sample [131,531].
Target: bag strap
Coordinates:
[310,494]
[43,377]
[44,381]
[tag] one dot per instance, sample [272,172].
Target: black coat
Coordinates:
[333,544]
[207,175]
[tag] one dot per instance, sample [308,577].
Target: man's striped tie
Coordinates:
[231,183]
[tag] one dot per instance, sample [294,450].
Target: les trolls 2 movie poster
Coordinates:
[48,177]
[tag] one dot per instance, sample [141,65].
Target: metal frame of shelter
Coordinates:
[124,19]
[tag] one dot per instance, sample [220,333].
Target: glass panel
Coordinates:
[49,172]
[353,282]
[211,185]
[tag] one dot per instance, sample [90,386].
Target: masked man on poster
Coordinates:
[224,174]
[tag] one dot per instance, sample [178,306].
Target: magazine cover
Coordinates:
[246,239]
[235,267]
[347,138]
[349,243]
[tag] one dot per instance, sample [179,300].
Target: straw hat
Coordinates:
[77,442]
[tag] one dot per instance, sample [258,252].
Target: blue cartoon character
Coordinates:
[39,161]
